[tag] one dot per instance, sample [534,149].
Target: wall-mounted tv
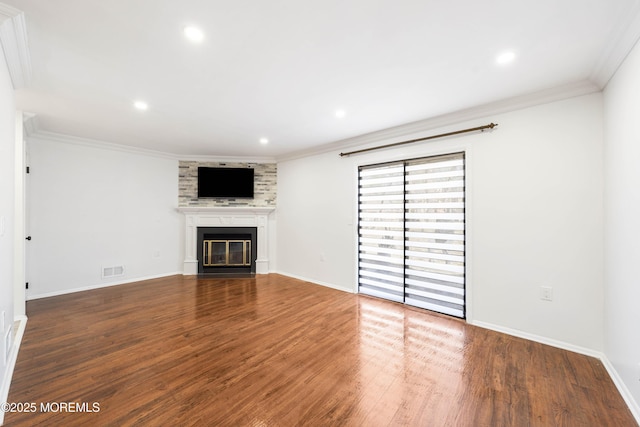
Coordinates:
[225,182]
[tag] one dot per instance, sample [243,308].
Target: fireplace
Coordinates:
[226,250]
[216,219]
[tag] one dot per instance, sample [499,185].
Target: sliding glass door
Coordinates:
[381,231]
[412,232]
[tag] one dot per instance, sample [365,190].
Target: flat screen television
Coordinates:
[225,182]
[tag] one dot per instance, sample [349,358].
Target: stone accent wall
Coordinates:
[265,177]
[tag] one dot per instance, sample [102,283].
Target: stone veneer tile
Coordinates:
[265,186]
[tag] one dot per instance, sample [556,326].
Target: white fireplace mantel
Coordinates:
[226,217]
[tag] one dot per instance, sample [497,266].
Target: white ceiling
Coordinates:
[280,69]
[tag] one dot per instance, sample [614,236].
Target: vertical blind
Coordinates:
[412,232]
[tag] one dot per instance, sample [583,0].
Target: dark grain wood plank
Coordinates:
[275,351]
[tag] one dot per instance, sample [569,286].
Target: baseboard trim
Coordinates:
[611,370]
[622,388]
[537,338]
[101,285]
[317,282]
[13,357]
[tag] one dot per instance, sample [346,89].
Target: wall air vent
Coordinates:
[115,271]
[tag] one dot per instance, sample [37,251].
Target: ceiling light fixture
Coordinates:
[340,114]
[264,141]
[505,58]
[194,34]
[141,105]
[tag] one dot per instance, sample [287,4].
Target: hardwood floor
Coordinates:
[275,351]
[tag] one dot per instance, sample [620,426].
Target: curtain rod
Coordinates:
[479,128]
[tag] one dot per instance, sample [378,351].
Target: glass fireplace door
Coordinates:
[225,253]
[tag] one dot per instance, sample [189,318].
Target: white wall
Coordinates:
[315,217]
[538,212]
[622,222]
[535,218]
[93,207]
[7,179]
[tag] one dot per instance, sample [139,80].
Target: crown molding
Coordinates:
[512,104]
[31,124]
[229,159]
[93,143]
[584,87]
[32,131]
[13,38]
[619,45]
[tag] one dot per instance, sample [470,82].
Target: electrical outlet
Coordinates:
[546,293]
[638,373]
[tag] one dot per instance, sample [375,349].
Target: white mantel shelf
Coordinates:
[226,210]
[226,217]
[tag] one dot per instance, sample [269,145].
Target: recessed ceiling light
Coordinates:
[505,58]
[141,105]
[194,34]
[264,141]
[340,114]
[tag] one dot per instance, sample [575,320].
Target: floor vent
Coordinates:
[114,271]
